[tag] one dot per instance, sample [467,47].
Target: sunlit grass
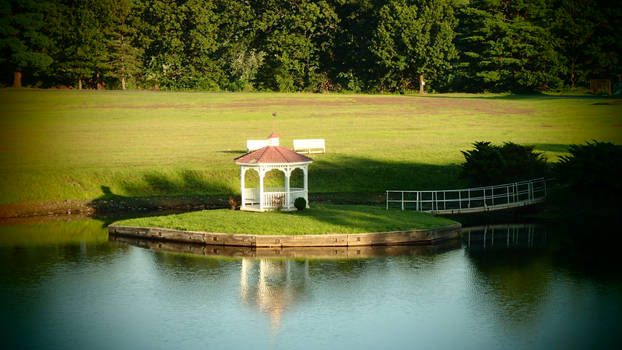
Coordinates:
[58,145]
[320,219]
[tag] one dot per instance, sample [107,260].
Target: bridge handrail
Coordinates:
[512,194]
[475,188]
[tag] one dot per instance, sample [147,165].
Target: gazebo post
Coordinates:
[287,173]
[305,171]
[261,174]
[242,189]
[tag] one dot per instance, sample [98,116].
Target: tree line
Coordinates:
[310,45]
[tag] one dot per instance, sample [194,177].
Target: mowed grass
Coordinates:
[57,145]
[320,219]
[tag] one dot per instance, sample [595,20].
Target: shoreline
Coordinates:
[153,204]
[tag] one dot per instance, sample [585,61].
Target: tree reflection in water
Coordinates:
[511,269]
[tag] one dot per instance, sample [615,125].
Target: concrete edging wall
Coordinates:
[427,236]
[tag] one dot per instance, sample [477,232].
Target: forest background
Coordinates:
[307,45]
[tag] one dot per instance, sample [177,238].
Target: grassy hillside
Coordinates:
[58,145]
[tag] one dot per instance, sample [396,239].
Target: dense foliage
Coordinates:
[310,45]
[594,169]
[490,164]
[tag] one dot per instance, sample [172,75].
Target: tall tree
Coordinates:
[353,63]
[506,45]
[574,24]
[238,56]
[23,43]
[182,44]
[164,51]
[604,50]
[413,39]
[79,29]
[124,57]
[201,30]
[295,35]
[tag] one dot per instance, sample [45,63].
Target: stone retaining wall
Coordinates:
[428,236]
[289,252]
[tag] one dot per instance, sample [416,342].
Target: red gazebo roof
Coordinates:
[271,155]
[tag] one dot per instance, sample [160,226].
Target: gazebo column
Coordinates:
[262,172]
[242,188]
[305,171]
[287,173]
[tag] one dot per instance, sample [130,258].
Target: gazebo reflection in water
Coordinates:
[273,285]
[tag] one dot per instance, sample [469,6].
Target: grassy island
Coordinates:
[320,219]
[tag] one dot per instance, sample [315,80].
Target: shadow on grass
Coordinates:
[365,221]
[239,152]
[159,193]
[351,174]
[184,182]
[551,147]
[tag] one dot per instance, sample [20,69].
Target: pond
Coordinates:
[65,285]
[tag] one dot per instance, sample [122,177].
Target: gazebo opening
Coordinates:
[274,178]
[251,179]
[297,180]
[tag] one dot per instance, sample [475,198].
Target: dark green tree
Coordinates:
[490,164]
[164,43]
[181,44]
[79,29]
[593,169]
[413,39]
[238,56]
[294,35]
[507,46]
[24,46]
[352,62]
[574,27]
[202,44]
[124,57]
[604,49]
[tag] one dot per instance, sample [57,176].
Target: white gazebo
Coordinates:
[269,158]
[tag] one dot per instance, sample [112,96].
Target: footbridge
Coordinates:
[470,200]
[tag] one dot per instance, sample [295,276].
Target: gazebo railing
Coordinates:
[273,197]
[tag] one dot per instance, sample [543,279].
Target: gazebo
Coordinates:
[269,158]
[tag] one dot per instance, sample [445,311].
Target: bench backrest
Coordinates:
[252,145]
[310,145]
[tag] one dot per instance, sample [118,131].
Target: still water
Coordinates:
[65,285]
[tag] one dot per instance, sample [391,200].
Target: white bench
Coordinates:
[310,146]
[253,145]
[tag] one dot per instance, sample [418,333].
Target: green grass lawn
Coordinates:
[60,144]
[319,219]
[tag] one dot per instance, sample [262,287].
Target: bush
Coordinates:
[594,168]
[300,203]
[489,164]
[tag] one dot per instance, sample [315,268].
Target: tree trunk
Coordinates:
[100,83]
[79,83]
[572,76]
[421,84]
[17,79]
[123,83]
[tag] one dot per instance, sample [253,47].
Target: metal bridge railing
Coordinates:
[471,200]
